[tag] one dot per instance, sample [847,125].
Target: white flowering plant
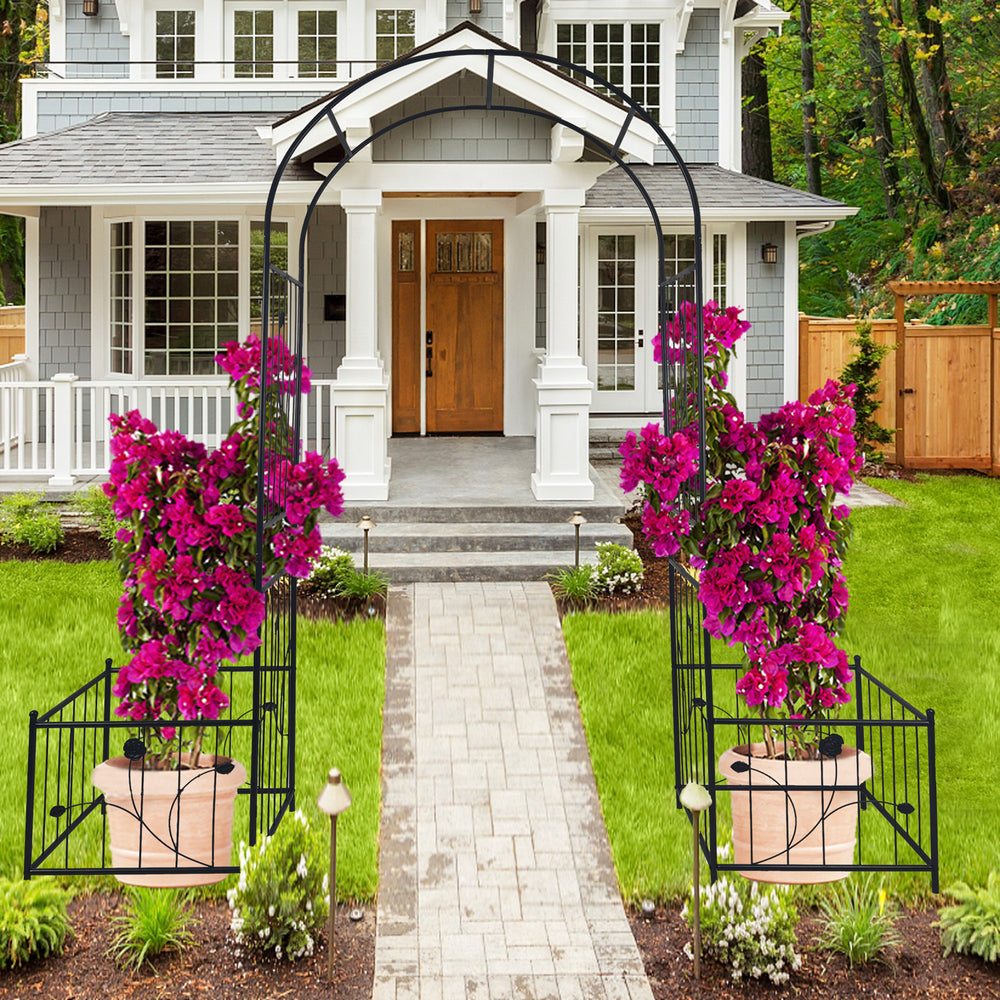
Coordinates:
[282,899]
[618,570]
[748,928]
[329,571]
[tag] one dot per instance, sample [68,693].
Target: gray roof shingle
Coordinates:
[151,148]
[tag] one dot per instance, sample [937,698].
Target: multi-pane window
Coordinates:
[616,313]
[279,258]
[253,43]
[625,54]
[175,44]
[719,276]
[395,33]
[191,295]
[317,37]
[678,252]
[121,298]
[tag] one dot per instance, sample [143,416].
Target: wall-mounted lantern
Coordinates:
[769,253]
[90,8]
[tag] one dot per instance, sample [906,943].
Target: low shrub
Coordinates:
[95,507]
[618,570]
[858,922]
[574,583]
[357,586]
[329,570]
[155,921]
[282,898]
[972,925]
[25,519]
[748,928]
[33,921]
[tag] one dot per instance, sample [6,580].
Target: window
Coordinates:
[175,44]
[615,313]
[253,43]
[121,298]
[317,35]
[191,295]
[627,55]
[719,269]
[279,258]
[395,33]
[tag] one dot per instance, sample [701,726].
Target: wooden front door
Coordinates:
[457,356]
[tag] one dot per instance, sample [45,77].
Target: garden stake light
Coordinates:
[333,800]
[696,799]
[576,520]
[366,524]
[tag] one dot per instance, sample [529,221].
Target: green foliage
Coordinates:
[748,928]
[155,921]
[26,519]
[358,586]
[33,921]
[282,899]
[95,506]
[618,570]
[858,922]
[972,926]
[574,583]
[863,370]
[329,570]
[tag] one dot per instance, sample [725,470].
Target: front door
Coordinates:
[459,359]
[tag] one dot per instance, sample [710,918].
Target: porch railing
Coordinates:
[59,428]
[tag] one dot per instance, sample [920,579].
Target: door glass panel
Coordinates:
[463,252]
[484,251]
[405,251]
[444,256]
[616,353]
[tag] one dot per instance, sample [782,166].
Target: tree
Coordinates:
[813,180]
[758,160]
[877,111]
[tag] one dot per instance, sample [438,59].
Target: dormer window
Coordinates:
[175,44]
[281,40]
[253,43]
[395,33]
[626,54]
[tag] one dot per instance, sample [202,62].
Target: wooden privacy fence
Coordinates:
[11,332]
[939,389]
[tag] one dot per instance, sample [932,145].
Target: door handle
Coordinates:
[640,338]
[429,338]
[429,354]
[906,392]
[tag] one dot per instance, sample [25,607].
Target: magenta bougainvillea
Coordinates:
[768,541]
[187,546]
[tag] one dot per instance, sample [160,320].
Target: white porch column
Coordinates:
[562,425]
[62,428]
[361,390]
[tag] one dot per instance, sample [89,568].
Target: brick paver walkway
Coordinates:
[496,879]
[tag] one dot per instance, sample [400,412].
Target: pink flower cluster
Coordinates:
[187,546]
[769,537]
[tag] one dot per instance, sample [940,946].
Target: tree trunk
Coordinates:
[878,109]
[915,113]
[953,132]
[813,180]
[756,137]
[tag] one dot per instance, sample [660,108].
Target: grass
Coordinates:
[58,622]
[925,589]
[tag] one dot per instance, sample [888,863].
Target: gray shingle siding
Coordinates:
[462,135]
[491,19]
[698,90]
[57,111]
[94,39]
[326,257]
[64,291]
[766,311]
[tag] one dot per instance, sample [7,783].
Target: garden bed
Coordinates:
[212,967]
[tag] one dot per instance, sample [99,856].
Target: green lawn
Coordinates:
[58,624]
[925,618]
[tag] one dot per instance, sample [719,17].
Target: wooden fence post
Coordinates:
[900,377]
[62,429]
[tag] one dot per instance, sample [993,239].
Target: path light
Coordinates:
[576,520]
[696,800]
[333,800]
[366,524]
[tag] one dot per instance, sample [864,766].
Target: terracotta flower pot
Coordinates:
[794,827]
[170,819]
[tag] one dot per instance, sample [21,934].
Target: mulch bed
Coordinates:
[915,971]
[212,967]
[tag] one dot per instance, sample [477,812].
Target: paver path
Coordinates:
[496,878]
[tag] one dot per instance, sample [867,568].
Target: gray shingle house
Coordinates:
[470,271]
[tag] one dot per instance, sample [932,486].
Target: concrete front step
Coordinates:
[459,536]
[469,567]
[520,513]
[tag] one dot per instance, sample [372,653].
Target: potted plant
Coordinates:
[767,544]
[186,552]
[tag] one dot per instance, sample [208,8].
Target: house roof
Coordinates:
[722,195]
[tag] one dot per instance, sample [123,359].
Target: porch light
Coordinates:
[90,8]
[333,800]
[576,520]
[769,253]
[366,524]
[475,6]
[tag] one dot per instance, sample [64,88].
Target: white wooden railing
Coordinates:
[59,428]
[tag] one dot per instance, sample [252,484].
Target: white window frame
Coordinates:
[147,49]
[286,35]
[372,20]
[101,223]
